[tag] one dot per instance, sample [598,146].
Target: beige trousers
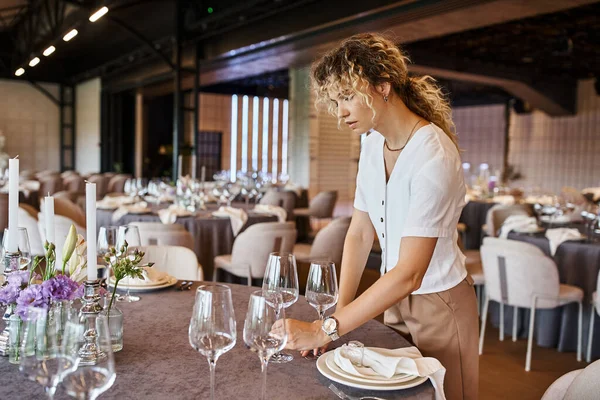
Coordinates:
[445,325]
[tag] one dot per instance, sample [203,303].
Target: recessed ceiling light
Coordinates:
[49,51]
[98,14]
[34,61]
[19,72]
[70,35]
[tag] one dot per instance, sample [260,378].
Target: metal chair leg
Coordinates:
[530,338]
[588,356]
[515,318]
[579,329]
[501,322]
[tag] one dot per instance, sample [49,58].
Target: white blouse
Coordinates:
[423,197]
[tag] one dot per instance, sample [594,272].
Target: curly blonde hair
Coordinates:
[370,59]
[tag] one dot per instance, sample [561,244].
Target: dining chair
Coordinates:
[251,249]
[101,185]
[50,184]
[283,199]
[116,184]
[328,244]
[74,183]
[65,207]
[178,261]
[558,389]
[595,309]
[519,275]
[586,385]
[496,216]
[157,233]
[321,206]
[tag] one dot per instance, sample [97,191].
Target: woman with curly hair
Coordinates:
[410,192]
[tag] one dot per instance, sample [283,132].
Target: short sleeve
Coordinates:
[360,201]
[435,193]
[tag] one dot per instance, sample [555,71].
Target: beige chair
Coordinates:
[116,184]
[251,249]
[499,213]
[31,224]
[595,309]
[328,244]
[101,185]
[586,385]
[177,261]
[65,207]
[50,184]
[74,183]
[63,194]
[522,276]
[3,211]
[321,206]
[283,199]
[559,387]
[157,233]
[30,210]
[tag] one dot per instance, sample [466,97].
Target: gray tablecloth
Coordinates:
[157,361]
[578,264]
[473,216]
[212,236]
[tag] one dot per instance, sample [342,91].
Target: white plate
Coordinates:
[124,283]
[171,282]
[330,362]
[328,373]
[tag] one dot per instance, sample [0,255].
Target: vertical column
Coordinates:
[301,112]
[139,134]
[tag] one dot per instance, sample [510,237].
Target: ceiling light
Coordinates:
[98,14]
[19,72]
[34,61]
[70,35]
[49,51]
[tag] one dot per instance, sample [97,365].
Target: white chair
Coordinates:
[321,206]
[523,278]
[328,244]
[177,261]
[284,199]
[157,233]
[496,216]
[559,387]
[586,385]
[251,249]
[31,224]
[595,309]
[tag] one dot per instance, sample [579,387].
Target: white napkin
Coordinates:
[407,360]
[543,200]
[110,203]
[237,216]
[595,191]
[273,210]
[559,235]
[151,276]
[169,215]
[507,200]
[125,209]
[521,222]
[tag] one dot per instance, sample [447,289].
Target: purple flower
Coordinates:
[61,287]
[32,296]
[9,293]
[18,278]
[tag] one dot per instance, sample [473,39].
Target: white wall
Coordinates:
[87,123]
[30,120]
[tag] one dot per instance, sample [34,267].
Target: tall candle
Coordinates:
[12,244]
[49,218]
[180,166]
[193,167]
[90,220]
[203,174]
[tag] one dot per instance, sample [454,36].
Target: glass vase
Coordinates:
[15,324]
[58,315]
[115,325]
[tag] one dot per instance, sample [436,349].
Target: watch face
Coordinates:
[329,325]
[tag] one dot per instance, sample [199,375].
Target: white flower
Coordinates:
[77,264]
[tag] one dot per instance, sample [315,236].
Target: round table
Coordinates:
[473,216]
[157,361]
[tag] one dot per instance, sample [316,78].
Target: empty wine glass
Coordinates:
[86,380]
[280,288]
[322,288]
[259,334]
[212,330]
[107,239]
[42,357]
[131,235]
[24,249]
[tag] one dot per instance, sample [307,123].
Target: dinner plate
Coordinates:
[159,282]
[171,282]
[328,373]
[330,361]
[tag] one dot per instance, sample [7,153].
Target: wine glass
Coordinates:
[322,286]
[280,288]
[107,239]
[131,235]
[259,334]
[87,380]
[24,248]
[212,330]
[42,357]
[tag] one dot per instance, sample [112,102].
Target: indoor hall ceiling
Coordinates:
[10,12]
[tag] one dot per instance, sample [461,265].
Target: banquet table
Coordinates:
[473,216]
[212,235]
[578,264]
[157,361]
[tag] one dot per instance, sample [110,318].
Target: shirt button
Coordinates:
[382,202]
[381,219]
[382,235]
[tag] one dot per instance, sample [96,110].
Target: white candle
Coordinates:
[203,174]
[49,218]
[12,244]
[90,219]
[180,166]
[193,167]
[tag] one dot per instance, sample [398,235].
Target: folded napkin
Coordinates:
[559,235]
[506,200]
[169,215]
[273,210]
[237,216]
[543,200]
[125,209]
[520,222]
[594,191]
[408,360]
[151,276]
[110,203]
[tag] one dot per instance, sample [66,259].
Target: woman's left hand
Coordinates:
[303,336]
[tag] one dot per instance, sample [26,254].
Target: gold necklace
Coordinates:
[409,136]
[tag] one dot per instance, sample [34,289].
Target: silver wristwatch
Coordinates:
[330,327]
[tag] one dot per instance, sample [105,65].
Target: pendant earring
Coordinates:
[385,98]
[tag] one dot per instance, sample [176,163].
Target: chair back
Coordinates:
[101,185]
[329,241]
[514,277]
[116,184]
[499,213]
[253,246]
[50,184]
[74,183]
[65,207]
[323,204]
[156,233]
[3,211]
[283,199]
[177,261]
[31,224]
[586,385]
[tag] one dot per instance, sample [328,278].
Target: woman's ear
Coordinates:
[383,89]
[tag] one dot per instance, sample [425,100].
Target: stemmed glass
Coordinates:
[24,248]
[107,239]
[212,330]
[322,287]
[131,235]
[259,333]
[86,381]
[43,359]
[280,288]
